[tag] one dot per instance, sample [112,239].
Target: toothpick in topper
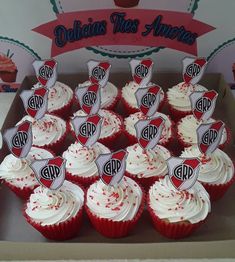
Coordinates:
[183,172]
[148,99]
[209,136]
[141,71]
[203,104]
[149,132]
[50,172]
[35,102]
[112,167]
[87,129]
[89,98]
[99,72]
[193,69]
[19,139]
[46,72]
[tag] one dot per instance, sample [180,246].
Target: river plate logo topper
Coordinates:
[135,28]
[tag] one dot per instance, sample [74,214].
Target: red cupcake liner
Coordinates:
[65,111]
[113,105]
[84,181]
[172,230]
[62,231]
[115,229]
[22,193]
[8,76]
[176,114]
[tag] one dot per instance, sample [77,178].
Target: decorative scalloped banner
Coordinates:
[12,70]
[124,51]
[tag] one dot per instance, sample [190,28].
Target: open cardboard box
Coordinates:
[215,239]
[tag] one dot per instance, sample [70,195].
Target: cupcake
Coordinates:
[8,69]
[146,166]
[129,100]
[126,3]
[114,211]
[187,131]
[56,214]
[178,99]
[80,162]
[18,175]
[177,214]
[110,95]
[49,132]
[111,129]
[216,172]
[130,131]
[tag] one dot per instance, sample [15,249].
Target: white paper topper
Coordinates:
[193,69]
[203,104]
[148,99]
[183,172]
[19,139]
[112,167]
[141,71]
[89,98]
[87,129]
[149,132]
[209,136]
[50,173]
[99,72]
[46,72]
[35,102]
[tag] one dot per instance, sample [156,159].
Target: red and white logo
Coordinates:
[209,136]
[87,129]
[149,132]
[46,72]
[112,167]
[35,102]
[19,139]
[193,69]
[50,172]
[141,71]
[203,104]
[99,72]
[148,99]
[89,98]
[183,172]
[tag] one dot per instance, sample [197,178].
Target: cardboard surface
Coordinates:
[216,238]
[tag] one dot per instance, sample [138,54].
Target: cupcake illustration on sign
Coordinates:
[8,69]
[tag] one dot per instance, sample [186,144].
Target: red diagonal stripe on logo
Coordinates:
[147,63]
[105,66]
[50,63]
[201,62]
[152,90]
[92,88]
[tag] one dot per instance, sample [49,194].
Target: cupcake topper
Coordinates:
[112,167]
[209,136]
[149,132]
[46,72]
[19,139]
[148,99]
[183,172]
[50,172]
[87,129]
[141,71]
[193,69]
[35,102]
[89,98]
[99,72]
[203,104]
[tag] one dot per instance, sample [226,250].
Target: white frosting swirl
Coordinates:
[17,171]
[128,93]
[178,96]
[147,163]
[119,203]
[46,130]
[216,169]
[187,129]
[108,93]
[132,119]
[53,207]
[80,161]
[111,124]
[168,203]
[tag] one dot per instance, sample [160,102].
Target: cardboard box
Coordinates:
[215,239]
